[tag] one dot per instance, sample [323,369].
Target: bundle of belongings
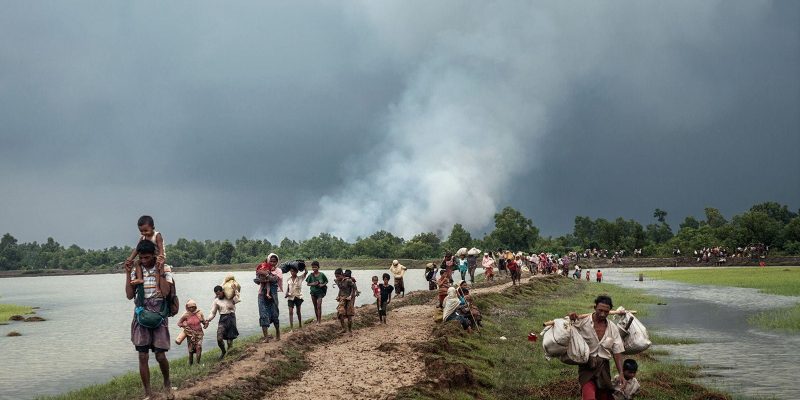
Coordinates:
[230,287]
[300,265]
[560,340]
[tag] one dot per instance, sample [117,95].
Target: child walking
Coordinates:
[294,295]
[147,229]
[384,296]
[192,322]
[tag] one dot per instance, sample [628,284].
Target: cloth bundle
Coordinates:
[634,334]
[565,343]
[230,287]
[473,252]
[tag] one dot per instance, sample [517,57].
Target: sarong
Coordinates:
[157,338]
[598,369]
[346,308]
[227,327]
[268,309]
[398,286]
[194,339]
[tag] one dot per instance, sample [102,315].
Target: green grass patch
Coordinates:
[668,340]
[7,310]
[484,366]
[781,319]
[772,280]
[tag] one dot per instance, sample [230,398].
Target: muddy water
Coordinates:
[86,338]
[735,356]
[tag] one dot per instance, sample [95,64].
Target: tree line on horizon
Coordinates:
[769,223]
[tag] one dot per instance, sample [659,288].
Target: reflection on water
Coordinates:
[735,356]
[86,338]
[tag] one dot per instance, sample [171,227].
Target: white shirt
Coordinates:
[294,290]
[610,344]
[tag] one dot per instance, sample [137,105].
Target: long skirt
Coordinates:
[227,327]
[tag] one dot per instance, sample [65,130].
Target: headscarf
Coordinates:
[274,269]
[451,302]
[397,269]
[488,261]
[197,311]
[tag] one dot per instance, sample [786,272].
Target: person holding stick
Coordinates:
[604,342]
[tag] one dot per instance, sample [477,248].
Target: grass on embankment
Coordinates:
[771,280]
[462,366]
[7,310]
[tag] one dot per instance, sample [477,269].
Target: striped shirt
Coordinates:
[150,281]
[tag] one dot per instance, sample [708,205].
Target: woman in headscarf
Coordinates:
[270,279]
[488,266]
[470,310]
[450,310]
[192,323]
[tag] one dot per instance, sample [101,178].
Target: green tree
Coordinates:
[514,231]
[224,253]
[714,218]
[660,215]
[459,237]
[690,222]
[775,211]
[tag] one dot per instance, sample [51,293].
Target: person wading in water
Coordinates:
[604,342]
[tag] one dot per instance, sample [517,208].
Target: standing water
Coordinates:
[86,338]
[735,356]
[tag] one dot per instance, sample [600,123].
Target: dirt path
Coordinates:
[371,364]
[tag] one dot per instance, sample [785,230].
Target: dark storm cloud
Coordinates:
[246,119]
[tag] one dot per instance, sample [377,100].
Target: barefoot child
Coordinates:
[148,231]
[629,369]
[384,296]
[192,323]
[318,286]
[294,295]
[376,291]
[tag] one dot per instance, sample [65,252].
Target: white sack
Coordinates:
[577,350]
[461,251]
[473,252]
[634,334]
[556,338]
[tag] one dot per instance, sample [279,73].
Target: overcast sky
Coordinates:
[251,119]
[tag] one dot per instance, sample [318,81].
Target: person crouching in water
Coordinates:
[385,293]
[604,342]
[226,330]
[629,369]
[192,323]
[346,299]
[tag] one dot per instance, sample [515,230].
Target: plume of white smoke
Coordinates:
[484,78]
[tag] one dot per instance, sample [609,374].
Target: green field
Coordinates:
[7,310]
[772,280]
[487,367]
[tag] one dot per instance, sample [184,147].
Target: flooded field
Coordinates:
[737,357]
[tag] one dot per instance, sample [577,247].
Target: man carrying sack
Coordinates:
[605,342]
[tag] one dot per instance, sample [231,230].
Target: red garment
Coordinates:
[512,266]
[263,267]
[193,321]
[589,391]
